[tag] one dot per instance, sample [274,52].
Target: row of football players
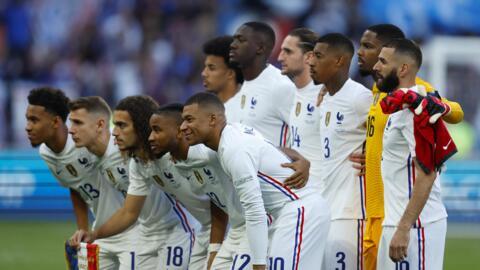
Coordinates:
[189,155]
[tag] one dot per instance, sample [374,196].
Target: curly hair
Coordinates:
[140,108]
[53,100]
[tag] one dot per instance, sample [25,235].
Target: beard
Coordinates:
[389,82]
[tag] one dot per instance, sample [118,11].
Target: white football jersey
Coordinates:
[264,103]
[159,213]
[76,168]
[230,108]
[305,130]
[206,176]
[398,171]
[162,173]
[343,131]
[114,167]
[253,164]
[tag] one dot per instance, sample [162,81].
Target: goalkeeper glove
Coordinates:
[434,107]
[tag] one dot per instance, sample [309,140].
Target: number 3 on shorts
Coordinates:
[340,261]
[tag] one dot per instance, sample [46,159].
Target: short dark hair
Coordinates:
[94,104]
[307,38]
[386,32]
[406,47]
[220,46]
[140,108]
[206,100]
[172,110]
[338,42]
[53,100]
[266,31]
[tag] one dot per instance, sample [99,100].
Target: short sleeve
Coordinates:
[48,161]
[363,101]
[283,100]
[407,130]
[140,185]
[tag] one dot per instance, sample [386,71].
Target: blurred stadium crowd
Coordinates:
[116,48]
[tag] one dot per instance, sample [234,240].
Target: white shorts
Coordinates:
[198,257]
[170,250]
[116,254]
[234,253]
[297,234]
[425,248]
[345,245]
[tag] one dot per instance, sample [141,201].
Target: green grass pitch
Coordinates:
[39,246]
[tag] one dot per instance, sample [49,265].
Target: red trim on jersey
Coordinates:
[419,223]
[300,236]
[363,199]
[192,233]
[280,185]
[269,219]
[423,247]
[285,133]
[360,228]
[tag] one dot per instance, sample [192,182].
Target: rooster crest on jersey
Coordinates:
[84,161]
[310,109]
[121,170]
[168,175]
[253,102]
[207,172]
[298,109]
[339,118]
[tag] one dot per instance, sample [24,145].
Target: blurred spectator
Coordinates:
[117,48]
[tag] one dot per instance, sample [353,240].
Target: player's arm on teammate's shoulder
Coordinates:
[118,222]
[420,193]
[217,232]
[80,209]
[300,165]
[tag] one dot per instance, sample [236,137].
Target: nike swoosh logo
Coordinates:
[446,146]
